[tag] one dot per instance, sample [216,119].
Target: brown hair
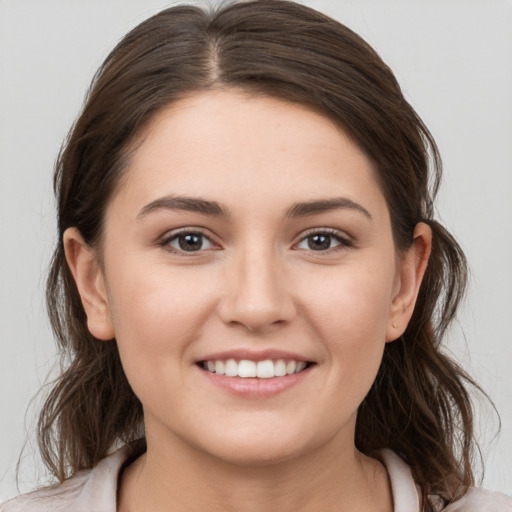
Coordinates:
[418,405]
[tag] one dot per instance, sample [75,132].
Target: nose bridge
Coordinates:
[257,295]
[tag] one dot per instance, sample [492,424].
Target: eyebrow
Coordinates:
[324,205]
[198,205]
[189,204]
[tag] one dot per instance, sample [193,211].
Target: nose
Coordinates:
[257,292]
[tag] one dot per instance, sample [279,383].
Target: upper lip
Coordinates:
[254,355]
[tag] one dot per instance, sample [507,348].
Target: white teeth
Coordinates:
[280,368]
[231,368]
[245,368]
[219,367]
[265,369]
[290,367]
[300,366]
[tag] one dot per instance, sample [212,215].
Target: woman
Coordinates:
[250,287]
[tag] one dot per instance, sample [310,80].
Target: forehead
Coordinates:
[247,149]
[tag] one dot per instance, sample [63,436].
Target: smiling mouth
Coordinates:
[245,368]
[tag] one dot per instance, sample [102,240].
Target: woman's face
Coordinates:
[249,236]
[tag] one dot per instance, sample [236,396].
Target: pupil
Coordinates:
[319,242]
[190,242]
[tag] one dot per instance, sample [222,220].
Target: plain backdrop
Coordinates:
[453,59]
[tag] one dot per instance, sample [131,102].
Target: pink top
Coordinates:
[95,491]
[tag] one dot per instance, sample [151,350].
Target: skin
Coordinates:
[256,284]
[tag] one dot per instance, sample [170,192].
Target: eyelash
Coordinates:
[166,241]
[343,241]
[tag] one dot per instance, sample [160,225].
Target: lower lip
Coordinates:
[255,388]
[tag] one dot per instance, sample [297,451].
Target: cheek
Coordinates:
[355,300]
[350,313]
[156,317]
[156,312]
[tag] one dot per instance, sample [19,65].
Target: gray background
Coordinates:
[454,61]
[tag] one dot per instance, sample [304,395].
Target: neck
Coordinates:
[333,478]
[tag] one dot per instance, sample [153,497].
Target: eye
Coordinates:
[188,241]
[322,241]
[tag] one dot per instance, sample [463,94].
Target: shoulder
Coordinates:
[93,489]
[481,500]
[55,498]
[406,493]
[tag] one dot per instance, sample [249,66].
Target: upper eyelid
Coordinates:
[321,230]
[169,235]
[328,231]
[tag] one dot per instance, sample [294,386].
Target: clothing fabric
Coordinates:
[96,491]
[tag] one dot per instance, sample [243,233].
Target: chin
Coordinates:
[260,446]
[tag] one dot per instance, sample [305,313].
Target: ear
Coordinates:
[88,275]
[411,271]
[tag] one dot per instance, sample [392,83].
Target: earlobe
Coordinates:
[88,275]
[412,269]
